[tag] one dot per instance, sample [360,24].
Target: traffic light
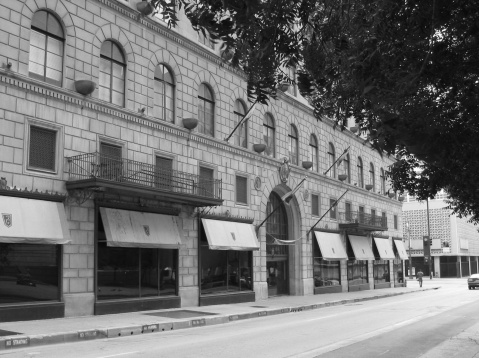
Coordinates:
[430,241]
[426,246]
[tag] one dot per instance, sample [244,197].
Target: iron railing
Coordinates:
[357,217]
[119,170]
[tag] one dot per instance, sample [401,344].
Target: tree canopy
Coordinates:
[406,71]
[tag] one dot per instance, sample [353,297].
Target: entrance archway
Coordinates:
[277,256]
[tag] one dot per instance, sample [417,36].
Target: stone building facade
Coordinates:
[153,214]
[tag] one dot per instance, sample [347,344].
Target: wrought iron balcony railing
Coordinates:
[360,218]
[119,170]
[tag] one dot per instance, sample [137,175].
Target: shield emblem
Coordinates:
[7,219]
[147,230]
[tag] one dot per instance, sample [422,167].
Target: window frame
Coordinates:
[112,62]
[213,170]
[372,176]
[47,35]
[313,152]
[333,213]
[293,145]
[331,160]
[318,199]
[383,181]
[204,100]
[244,126]
[172,86]
[247,189]
[59,144]
[360,173]
[269,129]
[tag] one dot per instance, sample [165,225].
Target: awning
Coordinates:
[230,235]
[401,250]
[331,246]
[384,248]
[125,228]
[362,249]
[30,221]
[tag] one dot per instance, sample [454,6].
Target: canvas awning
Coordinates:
[331,246]
[125,228]
[401,250]
[384,248]
[30,221]
[362,249]
[230,235]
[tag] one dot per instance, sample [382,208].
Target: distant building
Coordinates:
[455,241]
[121,193]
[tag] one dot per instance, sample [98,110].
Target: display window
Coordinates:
[326,273]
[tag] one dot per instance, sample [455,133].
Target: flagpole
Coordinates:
[332,165]
[245,117]
[335,203]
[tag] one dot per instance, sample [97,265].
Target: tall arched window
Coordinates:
[46,48]
[360,173]
[383,182]
[164,94]
[269,135]
[112,73]
[206,110]
[372,179]
[313,152]
[347,167]
[241,134]
[293,145]
[331,160]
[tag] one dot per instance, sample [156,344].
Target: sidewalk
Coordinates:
[76,329]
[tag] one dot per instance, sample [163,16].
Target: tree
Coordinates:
[406,71]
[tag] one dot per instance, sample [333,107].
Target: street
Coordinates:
[431,323]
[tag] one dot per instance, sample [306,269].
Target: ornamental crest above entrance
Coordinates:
[7,219]
[284,170]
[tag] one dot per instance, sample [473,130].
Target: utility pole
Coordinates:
[429,238]
[409,251]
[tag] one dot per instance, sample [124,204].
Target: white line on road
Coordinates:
[120,354]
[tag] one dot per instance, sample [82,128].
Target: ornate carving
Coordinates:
[284,170]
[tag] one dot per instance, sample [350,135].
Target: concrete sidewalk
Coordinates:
[76,329]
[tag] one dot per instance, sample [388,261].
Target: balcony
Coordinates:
[94,171]
[356,220]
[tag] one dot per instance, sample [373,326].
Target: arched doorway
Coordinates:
[277,260]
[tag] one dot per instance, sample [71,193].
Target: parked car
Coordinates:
[473,281]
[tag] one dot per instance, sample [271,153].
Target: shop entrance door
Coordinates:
[277,261]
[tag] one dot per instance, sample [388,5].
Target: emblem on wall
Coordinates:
[284,170]
[147,230]
[7,219]
[257,183]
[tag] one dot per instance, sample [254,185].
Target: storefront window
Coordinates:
[357,272]
[381,271]
[397,271]
[29,272]
[326,273]
[225,270]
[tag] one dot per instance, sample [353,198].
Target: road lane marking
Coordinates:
[119,354]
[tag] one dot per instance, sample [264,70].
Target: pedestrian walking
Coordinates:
[419,276]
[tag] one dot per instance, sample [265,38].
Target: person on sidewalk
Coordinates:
[419,276]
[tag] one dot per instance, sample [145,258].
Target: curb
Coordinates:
[23,341]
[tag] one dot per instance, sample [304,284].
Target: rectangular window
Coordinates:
[29,272]
[348,213]
[164,173]
[326,273]
[361,215]
[206,182]
[42,149]
[111,164]
[242,190]
[384,219]
[395,222]
[332,212]
[315,205]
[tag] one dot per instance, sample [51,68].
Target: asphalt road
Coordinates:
[424,324]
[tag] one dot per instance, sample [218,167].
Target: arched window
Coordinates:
[331,160]
[372,179]
[269,135]
[206,111]
[313,152]
[164,94]
[293,145]
[46,48]
[383,182]
[347,167]
[360,173]
[241,134]
[112,73]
